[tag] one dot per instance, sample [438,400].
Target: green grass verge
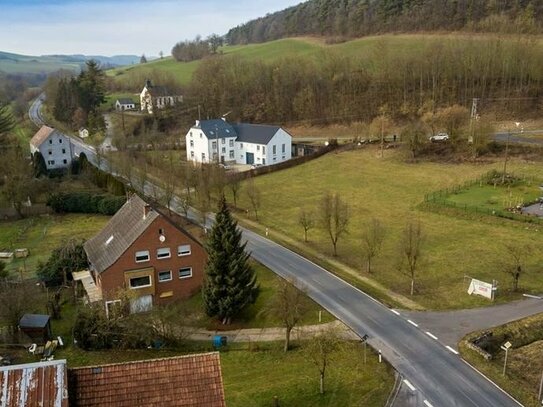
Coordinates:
[391,190]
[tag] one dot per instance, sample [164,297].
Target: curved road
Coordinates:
[439,377]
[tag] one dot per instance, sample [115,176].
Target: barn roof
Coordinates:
[41,135]
[255,133]
[34,384]
[191,380]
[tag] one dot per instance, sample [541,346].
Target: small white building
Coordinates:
[219,141]
[54,146]
[124,104]
[157,96]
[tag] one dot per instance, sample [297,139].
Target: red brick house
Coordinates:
[143,251]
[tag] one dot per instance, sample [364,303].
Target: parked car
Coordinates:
[225,167]
[439,137]
[254,166]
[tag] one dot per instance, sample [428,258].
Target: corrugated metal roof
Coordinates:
[192,380]
[125,227]
[42,384]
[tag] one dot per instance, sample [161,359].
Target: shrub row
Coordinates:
[85,202]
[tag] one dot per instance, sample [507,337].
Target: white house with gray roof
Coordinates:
[219,141]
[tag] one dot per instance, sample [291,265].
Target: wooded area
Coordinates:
[356,18]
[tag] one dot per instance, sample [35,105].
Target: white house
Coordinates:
[125,104]
[54,146]
[219,141]
[157,96]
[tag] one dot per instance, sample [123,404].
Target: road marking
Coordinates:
[427,403]
[408,384]
[431,335]
[452,350]
[394,311]
[412,323]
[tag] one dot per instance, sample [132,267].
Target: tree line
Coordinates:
[330,88]
[191,50]
[356,18]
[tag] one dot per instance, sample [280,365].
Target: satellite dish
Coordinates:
[162,238]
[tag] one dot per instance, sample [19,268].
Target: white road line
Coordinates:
[395,312]
[427,403]
[431,335]
[452,350]
[408,384]
[412,323]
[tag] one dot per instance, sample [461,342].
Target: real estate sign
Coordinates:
[479,287]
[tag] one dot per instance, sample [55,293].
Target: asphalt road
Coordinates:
[35,111]
[438,376]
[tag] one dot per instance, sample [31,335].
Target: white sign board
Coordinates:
[479,287]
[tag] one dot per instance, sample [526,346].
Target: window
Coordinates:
[50,152]
[183,250]
[63,151]
[214,145]
[223,150]
[65,161]
[140,282]
[257,148]
[283,148]
[192,154]
[274,149]
[240,145]
[142,256]
[52,162]
[164,276]
[231,142]
[185,272]
[192,143]
[163,253]
[50,141]
[190,133]
[231,154]
[263,161]
[60,140]
[223,141]
[263,149]
[203,156]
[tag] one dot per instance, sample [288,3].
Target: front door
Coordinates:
[250,158]
[141,304]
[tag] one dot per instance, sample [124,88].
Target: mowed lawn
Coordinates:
[390,190]
[40,235]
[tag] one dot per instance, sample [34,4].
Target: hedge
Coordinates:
[85,202]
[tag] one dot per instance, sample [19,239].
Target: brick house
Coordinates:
[143,251]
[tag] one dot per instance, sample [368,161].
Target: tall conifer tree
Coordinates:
[230,282]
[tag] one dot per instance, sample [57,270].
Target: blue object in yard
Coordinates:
[219,341]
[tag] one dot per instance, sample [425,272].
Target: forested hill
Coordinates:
[356,18]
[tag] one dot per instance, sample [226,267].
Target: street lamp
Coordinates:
[506,346]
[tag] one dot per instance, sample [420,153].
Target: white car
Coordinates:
[439,137]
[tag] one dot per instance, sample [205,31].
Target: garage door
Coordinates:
[141,304]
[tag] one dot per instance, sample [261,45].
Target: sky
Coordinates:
[114,27]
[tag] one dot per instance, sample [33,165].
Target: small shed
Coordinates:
[36,326]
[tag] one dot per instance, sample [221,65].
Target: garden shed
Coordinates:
[36,326]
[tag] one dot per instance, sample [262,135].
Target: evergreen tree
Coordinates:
[92,87]
[7,123]
[230,282]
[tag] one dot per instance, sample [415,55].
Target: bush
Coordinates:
[63,260]
[85,202]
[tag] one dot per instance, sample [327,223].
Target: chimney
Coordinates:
[146,209]
[197,123]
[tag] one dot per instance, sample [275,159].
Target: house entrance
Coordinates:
[250,158]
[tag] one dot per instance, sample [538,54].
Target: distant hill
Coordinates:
[26,64]
[357,18]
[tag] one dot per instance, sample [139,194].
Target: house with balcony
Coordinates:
[141,250]
[218,141]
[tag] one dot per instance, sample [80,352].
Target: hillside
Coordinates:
[357,18]
[14,63]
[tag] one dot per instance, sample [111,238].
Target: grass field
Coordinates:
[367,49]
[390,189]
[40,235]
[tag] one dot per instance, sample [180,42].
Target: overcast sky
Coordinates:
[112,27]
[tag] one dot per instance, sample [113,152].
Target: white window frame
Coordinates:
[231,142]
[108,303]
[140,254]
[141,286]
[165,271]
[180,253]
[160,250]
[184,268]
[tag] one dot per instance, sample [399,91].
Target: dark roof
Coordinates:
[34,384]
[192,380]
[119,233]
[125,101]
[34,321]
[160,91]
[210,128]
[255,133]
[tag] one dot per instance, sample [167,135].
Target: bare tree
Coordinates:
[203,192]
[415,138]
[373,236]
[410,249]
[381,125]
[185,205]
[254,196]
[452,118]
[514,261]
[235,187]
[17,299]
[290,305]
[334,217]
[305,219]
[18,181]
[321,349]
